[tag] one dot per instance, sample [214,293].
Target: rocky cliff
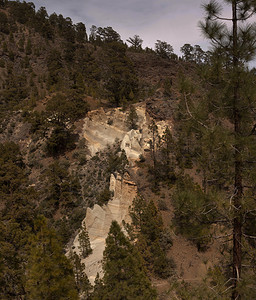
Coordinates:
[102,129]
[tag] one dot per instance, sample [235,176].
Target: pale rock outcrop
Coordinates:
[133,144]
[100,130]
[105,128]
[98,221]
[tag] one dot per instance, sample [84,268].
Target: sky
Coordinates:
[173,21]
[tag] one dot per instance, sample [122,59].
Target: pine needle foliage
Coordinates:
[84,242]
[49,272]
[124,274]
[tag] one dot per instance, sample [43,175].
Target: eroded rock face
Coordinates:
[100,130]
[105,128]
[98,221]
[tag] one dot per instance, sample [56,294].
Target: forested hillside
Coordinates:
[79,106]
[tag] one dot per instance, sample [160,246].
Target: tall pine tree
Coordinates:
[124,273]
[224,123]
[49,272]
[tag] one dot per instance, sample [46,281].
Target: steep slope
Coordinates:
[59,104]
[101,130]
[98,221]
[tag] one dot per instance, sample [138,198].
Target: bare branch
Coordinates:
[189,112]
[249,236]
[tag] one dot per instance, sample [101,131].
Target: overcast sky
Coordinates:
[173,21]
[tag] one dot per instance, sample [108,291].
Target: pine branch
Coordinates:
[189,112]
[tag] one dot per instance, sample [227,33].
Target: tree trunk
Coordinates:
[238,186]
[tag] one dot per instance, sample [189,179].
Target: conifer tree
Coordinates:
[82,282]
[124,273]
[238,44]
[49,272]
[163,49]
[98,288]
[220,132]
[167,150]
[136,42]
[132,118]
[187,51]
[121,79]
[154,142]
[16,221]
[148,225]
[84,242]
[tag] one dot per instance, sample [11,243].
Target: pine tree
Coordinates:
[49,272]
[98,288]
[136,42]
[154,142]
[187,51]
[238,44]
[124,274]
[167,150]
[132,118]
[16,221]
[82,282]
[163,49]
[220,133]
[84,242]
[149,233]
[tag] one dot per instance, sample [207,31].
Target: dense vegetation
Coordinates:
[52,73]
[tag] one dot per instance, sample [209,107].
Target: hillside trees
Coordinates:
[151,238]
[107,35]
[121,80]
[3,3]
[100,64]
[162,155]
[63,109]
[63,194]
[21,11]
[101,35]
[4,26]
[187,51]
[221,141]
[239,43]
[82,282]
[49,272]
[194,212]
[195,53]
[81,35]
[16,221]
[132,118]
[124,273]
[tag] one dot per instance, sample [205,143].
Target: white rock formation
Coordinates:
[101,129]
[98,221]
[105,128]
